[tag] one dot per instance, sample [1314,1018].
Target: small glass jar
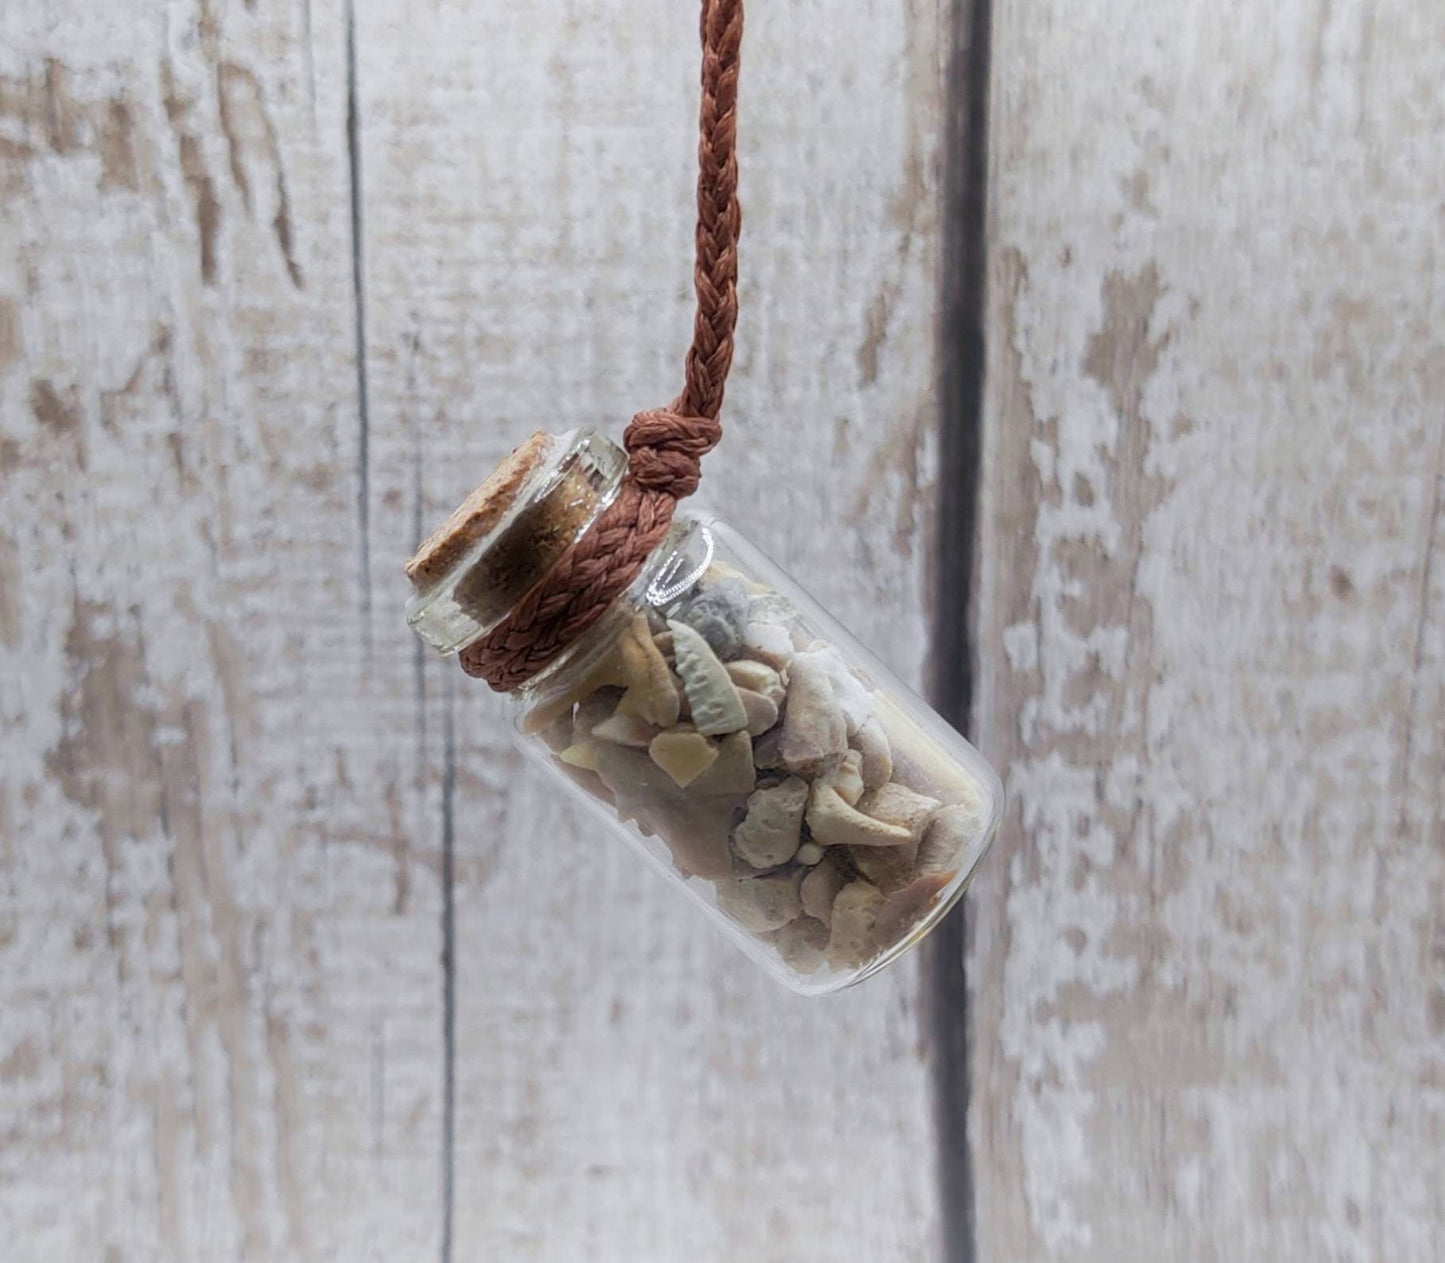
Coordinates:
[724,725]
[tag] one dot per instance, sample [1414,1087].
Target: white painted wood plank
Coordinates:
[220,989]
[628,1086]
[1206,966]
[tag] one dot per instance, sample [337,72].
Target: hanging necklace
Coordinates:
[687,689]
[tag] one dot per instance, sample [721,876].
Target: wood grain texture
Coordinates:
[1206,966]
[627,1086]
[220,991]
[297,960]
[278,284]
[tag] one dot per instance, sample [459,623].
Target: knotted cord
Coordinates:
[665,446]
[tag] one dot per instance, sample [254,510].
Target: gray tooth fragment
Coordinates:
[719,614]
[714,701]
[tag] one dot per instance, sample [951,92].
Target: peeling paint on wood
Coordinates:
[1204,964]
[528,235]
[220,1025]
[236,1000]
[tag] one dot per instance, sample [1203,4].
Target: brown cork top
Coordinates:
[509,534]
[479,514]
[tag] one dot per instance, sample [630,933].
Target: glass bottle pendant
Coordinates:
[721,723]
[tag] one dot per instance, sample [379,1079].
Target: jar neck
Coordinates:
[671,570]
[507,538]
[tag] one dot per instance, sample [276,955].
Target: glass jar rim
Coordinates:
[552,505]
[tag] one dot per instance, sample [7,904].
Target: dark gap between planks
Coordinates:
[961,348]
[449,771]
[449,974]
[358,286]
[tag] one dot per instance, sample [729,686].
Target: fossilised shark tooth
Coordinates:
[716,707]
[651,694]
[834,823]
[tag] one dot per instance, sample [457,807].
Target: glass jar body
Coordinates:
[725,726]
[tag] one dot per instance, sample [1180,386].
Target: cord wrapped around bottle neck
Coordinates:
[665,445]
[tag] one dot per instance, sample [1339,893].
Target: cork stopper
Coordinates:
[507,535]
[478,515]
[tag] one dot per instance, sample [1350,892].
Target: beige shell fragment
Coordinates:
[909,875]
[820,887]
[762,712]
[684,756]
[760,904]
[733,772]
[650,694]
[694,829]
[768,643]
[855,913]
[889,868]
[847,778]
[757,676]
[809,854]
[872,743]
[835,823]
[769,834]
[583,754]
[626,730]
[919,761]
[716,707]
[897,804]
[951,834]
[814,735]
[801,944]
[904,907]
[607,671]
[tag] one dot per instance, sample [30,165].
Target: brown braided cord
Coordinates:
[666,445]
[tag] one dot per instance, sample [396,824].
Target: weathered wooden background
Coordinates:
[298,961]
[1207,972]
